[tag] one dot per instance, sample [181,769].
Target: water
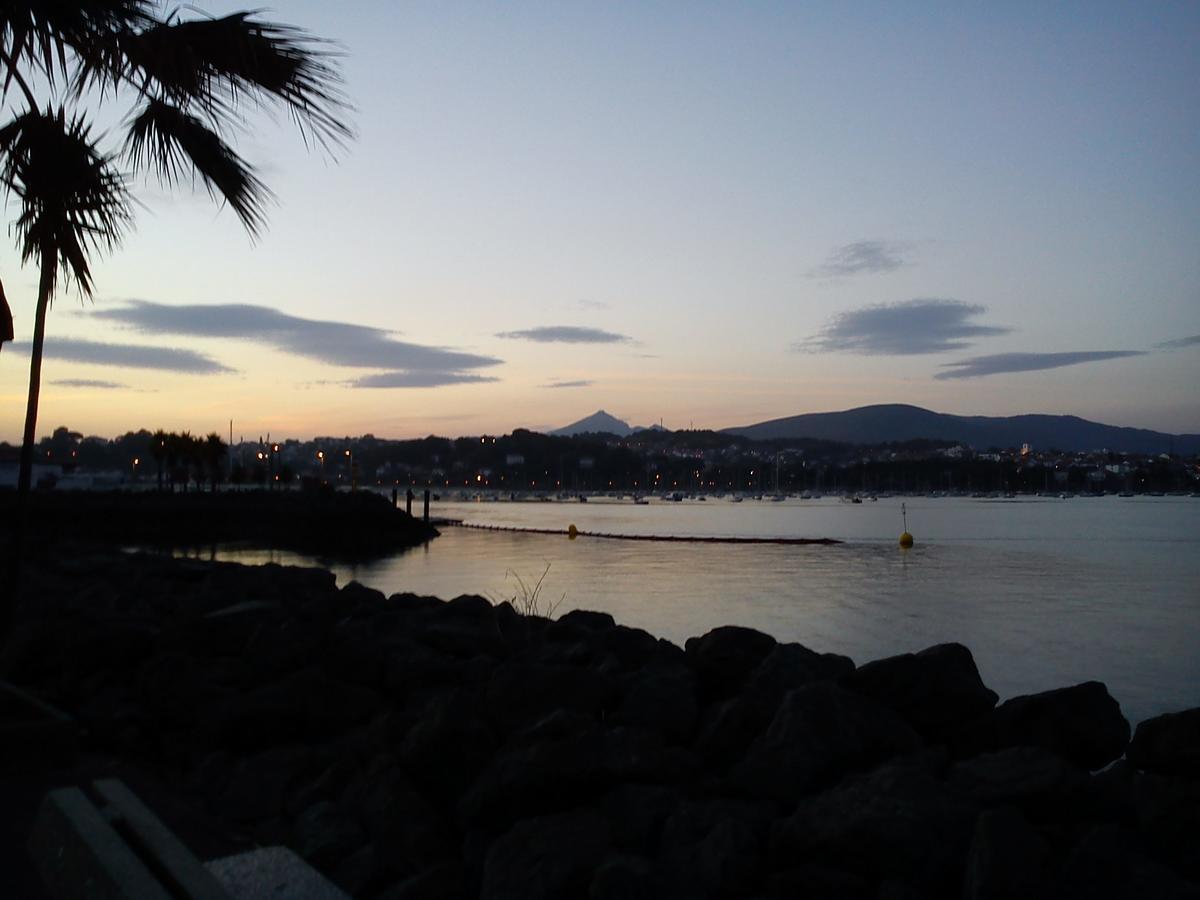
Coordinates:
[1045,592]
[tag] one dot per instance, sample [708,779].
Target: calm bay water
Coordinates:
[1045,592]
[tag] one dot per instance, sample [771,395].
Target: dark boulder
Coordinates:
[624,877]
[442,881]
[787,667]
[1082,724]
[934,690]
[449,745]
[636,814]
[1110,864]
[724,657]
[1008,859]
[588,620]
[306,705]
[820,733]
[1168,744]
[326,835]
[521,693]
[1167,813]
[662,701]
[898,822]
[547,858]
[1030,778]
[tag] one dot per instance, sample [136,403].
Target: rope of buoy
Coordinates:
[643,537]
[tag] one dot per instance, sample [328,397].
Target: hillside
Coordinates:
[899,422]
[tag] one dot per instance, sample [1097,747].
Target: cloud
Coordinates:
[862,257]
[129,356]
[1179,343]
[922,325]
[89,383]
[568,384]
[418,379]
[566,334]
[998,363]
[335,343]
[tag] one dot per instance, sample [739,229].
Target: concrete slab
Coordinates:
[272,873]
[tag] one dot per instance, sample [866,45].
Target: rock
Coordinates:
[636,814]
[897,823]
[1082,724]
[1109,864]
[624,877]
[449,745]
[662,701]
[325,835]
[303,706]
[257,787]
[713,848]
[546,858]
[787,667]
[814,881]
[1008,859]
[549,772]
[464,636]
[356,873]
[359,595]
[413,670]
[1168,744]
[588,620]
[409,832]
[636,648]
[1035,780]
[1167,813]
[521,693]
[820,733]
[934,690]
[443,881]
[724,657]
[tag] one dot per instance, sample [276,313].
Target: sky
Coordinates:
[705,214]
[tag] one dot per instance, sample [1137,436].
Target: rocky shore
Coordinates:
[414,748]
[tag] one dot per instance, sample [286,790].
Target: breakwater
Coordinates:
[326,523]
[414,747]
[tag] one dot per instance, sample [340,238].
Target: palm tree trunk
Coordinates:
[25,476]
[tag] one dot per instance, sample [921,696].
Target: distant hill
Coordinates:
[899,422]
[598,422]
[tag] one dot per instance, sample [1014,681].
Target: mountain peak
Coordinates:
[599,422]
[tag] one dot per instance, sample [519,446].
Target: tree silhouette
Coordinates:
[186,83]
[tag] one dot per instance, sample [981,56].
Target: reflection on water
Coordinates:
[1045,593]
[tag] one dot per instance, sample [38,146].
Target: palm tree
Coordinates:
[186,81]
[215,452]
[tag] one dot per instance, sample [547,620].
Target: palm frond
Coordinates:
[44,33]
[220,63]
[169,141]
[73,202]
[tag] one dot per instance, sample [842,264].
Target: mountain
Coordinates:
[899,422]
[598,422]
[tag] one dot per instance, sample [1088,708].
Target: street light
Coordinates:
[136,460]
[321,460]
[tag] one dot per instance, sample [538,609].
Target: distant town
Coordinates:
[652,461]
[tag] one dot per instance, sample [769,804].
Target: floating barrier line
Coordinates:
[676,539]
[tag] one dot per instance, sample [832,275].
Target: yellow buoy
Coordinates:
[906,539]
[572,532]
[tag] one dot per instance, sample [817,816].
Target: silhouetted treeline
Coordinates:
[645,461]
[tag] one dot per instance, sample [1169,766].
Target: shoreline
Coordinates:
[415,747]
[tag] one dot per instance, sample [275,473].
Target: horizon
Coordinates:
[508,431]
[716,217]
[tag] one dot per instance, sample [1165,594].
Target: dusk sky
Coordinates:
[708,214]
